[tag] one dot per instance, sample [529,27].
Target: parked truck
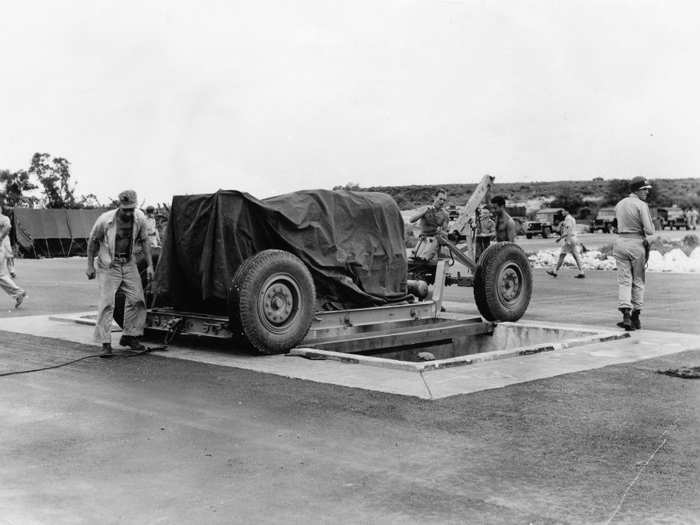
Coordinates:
[673,217]
[545,222]
[605,221]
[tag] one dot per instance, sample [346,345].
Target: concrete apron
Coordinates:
[483,372]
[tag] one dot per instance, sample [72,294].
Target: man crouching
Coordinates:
[112,239]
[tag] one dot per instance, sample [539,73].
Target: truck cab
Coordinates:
[605,221]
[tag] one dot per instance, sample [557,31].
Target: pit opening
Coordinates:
[504,340]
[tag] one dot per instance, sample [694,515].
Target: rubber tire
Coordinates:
[545,233]
[120,298]
[528,235]
[232,300]
[490,302]
[250,283]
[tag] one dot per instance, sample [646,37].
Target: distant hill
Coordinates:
[574,194]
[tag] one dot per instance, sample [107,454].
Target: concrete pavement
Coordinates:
[156,440]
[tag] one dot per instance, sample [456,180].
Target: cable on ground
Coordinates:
[125,353]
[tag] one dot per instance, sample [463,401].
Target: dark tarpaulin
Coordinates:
[32,225]
[352,242]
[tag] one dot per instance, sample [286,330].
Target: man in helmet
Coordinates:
[634,224]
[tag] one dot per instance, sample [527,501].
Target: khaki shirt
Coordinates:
[104,234]
[633,216]
[568,228]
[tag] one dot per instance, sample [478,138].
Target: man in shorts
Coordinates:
[570,245]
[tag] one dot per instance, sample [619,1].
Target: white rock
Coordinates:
[675,261]
[656,261]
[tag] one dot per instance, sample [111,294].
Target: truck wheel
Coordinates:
[274,296]
[503,282]
[120,298]
[528,235]
[545,233]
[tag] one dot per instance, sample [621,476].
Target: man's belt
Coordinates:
[631,234]
[121,259]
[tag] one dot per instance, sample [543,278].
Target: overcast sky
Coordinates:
[275,96]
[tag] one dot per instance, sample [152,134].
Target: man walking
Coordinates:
[112,241]
[7,271]
[630,251]
[505,225]
[570,245]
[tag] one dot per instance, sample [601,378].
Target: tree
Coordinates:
[353,186]
[14,184]
[615,191]
[54,177]
[568,199]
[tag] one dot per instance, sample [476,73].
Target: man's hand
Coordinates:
[149,273]
[90,272]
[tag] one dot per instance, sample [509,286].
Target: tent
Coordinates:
[54,232]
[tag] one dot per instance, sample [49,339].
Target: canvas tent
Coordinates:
[53,232]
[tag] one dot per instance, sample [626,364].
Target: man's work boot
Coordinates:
[106,351]
[580,276]
[626,322]
[131,341]
[636,323]
[552,273]
[20,299]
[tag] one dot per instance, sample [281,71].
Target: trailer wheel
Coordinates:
[271,301]
[503,282]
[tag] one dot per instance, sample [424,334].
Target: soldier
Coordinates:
[152,227]
[570,245]
[7,267]
[112,241]
[433,219]
[634,224]
[505,225]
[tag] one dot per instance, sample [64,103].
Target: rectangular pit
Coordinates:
[503,341]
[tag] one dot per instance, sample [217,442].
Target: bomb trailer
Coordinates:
[310,269]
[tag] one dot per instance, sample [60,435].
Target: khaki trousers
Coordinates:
[6,282]
[629,255]
[124,277]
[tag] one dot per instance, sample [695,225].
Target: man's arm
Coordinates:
[146,245]
[647,223]
[510,230]
[5,228]
[418,215]
[93,245]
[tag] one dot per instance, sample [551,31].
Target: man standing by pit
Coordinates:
[570,245]
[112,241]
[152,227]
[634,224]
[433,219]
[505,225]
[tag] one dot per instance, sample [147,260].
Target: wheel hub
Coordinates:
[510,284]
[278,302]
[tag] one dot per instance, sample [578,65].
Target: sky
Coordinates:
[269,96]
